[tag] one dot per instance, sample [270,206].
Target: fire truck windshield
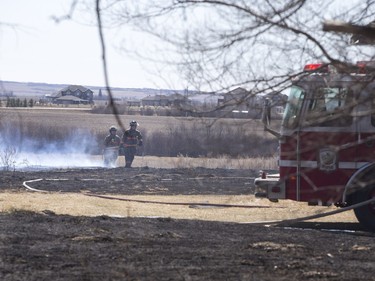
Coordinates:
[293,107]
[326,107]
[329,106]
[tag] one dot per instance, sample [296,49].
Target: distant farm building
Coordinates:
[245,104]
[241,103]
[72,94]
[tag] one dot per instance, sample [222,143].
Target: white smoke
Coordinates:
[55,160]
[20,152]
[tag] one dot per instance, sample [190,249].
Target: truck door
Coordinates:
[325,145]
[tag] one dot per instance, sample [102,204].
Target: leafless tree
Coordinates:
[219,45]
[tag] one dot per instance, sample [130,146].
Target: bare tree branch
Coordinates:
[105,69]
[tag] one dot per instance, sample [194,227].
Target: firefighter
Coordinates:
[130,139]
[111,147]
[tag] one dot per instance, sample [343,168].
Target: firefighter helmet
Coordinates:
[112,128]
[133,123]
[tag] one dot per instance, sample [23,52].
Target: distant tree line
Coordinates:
[6,93]
[17,102]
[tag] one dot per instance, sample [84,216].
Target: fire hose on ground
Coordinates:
[25,184]
[282,223]
[316,216]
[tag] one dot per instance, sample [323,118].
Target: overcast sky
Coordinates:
[37,49]
[34,48]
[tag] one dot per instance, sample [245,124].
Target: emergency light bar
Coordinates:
[365,66]
[317,67]
[362,67]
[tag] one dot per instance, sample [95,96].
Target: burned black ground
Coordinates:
[47,246]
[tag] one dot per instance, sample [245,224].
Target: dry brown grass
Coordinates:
[71,118]
[84,119]
[164,136]
[82,205]
[265,163]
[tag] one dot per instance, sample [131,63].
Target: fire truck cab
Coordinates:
[327,142]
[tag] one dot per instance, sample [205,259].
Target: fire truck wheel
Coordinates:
[365,214]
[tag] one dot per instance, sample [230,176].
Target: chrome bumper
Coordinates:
[270,187]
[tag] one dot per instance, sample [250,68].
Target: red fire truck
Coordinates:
[327,141]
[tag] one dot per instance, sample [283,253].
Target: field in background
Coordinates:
[77,129]
[81,118]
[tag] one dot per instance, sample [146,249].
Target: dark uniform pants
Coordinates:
[130,152]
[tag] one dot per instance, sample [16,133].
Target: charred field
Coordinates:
[63,233]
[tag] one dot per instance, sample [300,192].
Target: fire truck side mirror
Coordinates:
[266,118]
[266,114]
